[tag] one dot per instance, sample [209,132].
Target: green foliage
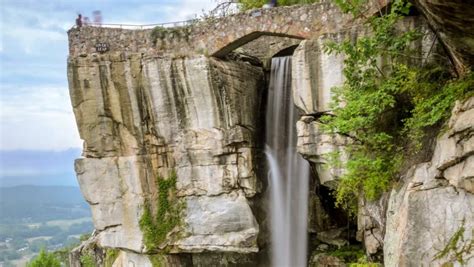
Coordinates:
[457,249]
[157,260]
[161,33]
[368,264]
[384,99]
[87,260]
[432,106]
[252,4]
[351,253]
[62,254]
[351,6]
[156,227]
[44,259]
[157,33]
[34,237]
[354,255]
[110,256]
[84,237]
[364,262]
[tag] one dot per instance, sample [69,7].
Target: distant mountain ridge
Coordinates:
[38,167]
[41,203]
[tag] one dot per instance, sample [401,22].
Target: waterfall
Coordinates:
[289,172]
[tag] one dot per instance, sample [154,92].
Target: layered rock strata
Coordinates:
[142,118]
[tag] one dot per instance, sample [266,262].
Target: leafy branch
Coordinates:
[385,99]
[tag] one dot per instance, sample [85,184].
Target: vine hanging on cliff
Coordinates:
[157,226]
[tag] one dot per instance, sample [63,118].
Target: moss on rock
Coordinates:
[156,227]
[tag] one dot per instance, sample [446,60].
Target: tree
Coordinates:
[391,98]
[251,4]
[44,259]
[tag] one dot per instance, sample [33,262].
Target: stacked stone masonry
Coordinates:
[217,37]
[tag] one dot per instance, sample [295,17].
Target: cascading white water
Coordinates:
[289,172]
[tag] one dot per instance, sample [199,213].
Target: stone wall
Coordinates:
[219,36]
[266,46]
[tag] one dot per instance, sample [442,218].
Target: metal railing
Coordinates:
[222,10]
[141,27]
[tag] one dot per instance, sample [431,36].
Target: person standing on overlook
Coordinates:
[97,18]
[79,21]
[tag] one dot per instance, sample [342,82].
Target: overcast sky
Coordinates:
[35,109]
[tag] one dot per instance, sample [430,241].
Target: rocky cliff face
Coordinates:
[452,21]
[144,119]
[435,199]
[177,137]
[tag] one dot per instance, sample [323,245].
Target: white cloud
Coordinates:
[189,9]
[156,12]
[37,118]
[27,38]
[40,132]
[30,31]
